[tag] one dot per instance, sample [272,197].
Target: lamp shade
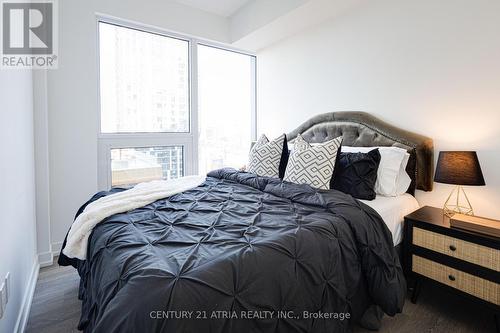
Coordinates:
[459,168]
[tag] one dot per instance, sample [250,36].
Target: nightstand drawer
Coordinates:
[457,248]
[470,284]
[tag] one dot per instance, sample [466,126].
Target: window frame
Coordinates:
[188,140]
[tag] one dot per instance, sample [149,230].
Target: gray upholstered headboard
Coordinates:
[363,130]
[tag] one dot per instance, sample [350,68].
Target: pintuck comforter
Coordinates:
[239,253]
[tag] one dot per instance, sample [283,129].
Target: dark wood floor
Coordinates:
[56,309]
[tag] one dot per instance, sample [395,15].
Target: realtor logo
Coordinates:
[29,34]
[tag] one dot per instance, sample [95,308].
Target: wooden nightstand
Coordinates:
[464,262]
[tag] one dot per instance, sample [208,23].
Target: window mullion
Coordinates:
[193,80]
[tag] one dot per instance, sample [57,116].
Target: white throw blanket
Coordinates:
[139,196]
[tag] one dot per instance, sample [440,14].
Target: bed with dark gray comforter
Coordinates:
[238,247]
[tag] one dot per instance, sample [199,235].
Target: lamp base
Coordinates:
[453,204]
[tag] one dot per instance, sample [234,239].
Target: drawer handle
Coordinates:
[453,247]
[451,277]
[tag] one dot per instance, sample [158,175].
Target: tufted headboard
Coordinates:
[361,129]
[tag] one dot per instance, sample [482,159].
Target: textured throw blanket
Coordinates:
[139,196]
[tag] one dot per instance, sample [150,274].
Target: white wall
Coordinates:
[42,179]
[17,184]
[261,23]
[427,66]
[72,92]
[258,13]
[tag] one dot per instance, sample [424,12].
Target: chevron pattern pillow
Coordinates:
[312,165]
[265,158]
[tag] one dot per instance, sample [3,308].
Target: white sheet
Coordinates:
[393,211]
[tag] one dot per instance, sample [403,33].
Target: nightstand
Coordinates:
[464,262]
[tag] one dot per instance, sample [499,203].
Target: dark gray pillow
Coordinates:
[356,174]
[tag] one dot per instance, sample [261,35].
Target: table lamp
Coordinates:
[458,168]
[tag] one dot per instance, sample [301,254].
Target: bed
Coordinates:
[243,253]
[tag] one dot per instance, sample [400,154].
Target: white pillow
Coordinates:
[404,180]
[392,179]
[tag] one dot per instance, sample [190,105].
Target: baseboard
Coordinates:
[45,259]
[56,248]
[24,312]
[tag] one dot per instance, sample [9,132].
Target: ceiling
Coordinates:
[224,8]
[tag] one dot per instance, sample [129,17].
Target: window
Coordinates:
[150,128]
[144,81]
[225,92]
[134,165]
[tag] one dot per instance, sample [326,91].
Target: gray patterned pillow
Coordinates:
[265,157]
[312,165]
